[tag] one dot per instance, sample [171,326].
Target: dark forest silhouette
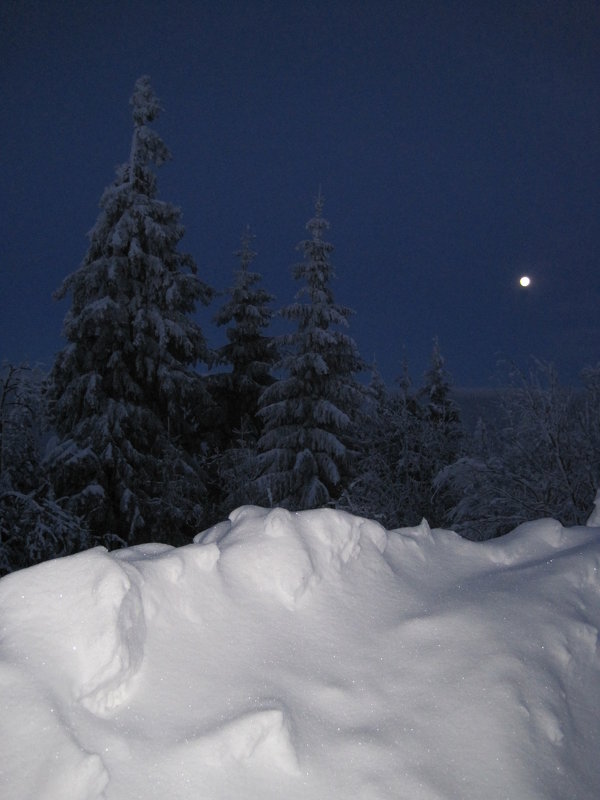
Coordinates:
[126,440]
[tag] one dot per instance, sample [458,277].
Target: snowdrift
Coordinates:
[309,656]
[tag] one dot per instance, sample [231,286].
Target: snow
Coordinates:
[307,656]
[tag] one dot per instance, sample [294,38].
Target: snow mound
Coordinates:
[287,555]
[310,656]
[89,610]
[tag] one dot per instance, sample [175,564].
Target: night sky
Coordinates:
[457,145]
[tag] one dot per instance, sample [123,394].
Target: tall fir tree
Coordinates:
[441,439]
[309,414]
[372,491]
[406,423]
[440,409]
[124,397]
[388,486]
[249,352]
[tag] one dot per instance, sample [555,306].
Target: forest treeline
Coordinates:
[141,431]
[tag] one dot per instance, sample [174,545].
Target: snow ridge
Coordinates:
[310,656]
[289,554]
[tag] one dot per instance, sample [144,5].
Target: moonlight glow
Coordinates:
[524,280]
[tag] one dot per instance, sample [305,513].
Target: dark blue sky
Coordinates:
[457,146]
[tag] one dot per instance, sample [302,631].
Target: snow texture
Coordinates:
[310,656]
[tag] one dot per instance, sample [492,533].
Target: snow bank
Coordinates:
[289,554]
[89,608]
[309,655]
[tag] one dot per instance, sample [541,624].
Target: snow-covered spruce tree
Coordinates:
[406,452]
[372,492]
[250,355]
[389,484]
[309,414]
[249,352]
[439,406]
[32,526]
[441,439]
[124,397]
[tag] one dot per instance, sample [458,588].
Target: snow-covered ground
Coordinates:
[309,656]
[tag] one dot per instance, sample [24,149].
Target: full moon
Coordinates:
[525,280]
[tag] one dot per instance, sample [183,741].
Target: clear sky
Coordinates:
[457,145]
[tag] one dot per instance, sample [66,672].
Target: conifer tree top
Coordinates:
[145,104]
[246,254]
[318,225]
[146,145]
